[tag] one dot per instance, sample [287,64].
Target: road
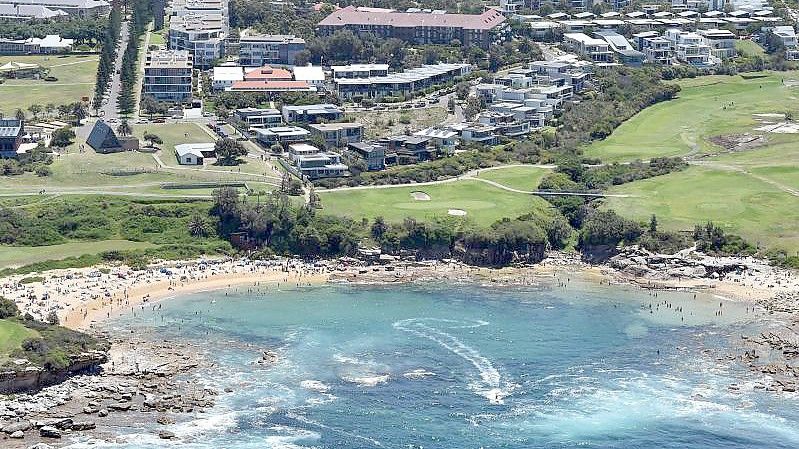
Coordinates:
[109,110]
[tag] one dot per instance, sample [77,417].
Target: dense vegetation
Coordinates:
[54,346]
[140,16]
[87,32]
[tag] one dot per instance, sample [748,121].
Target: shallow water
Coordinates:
[469,367]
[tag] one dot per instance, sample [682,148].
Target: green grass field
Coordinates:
[12,334]
[706,107]
[76,77]
[483,203]
[749,48]
[16,256]
[520,178]
[390,123]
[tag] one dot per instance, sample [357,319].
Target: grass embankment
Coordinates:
[12,334]
[76,77]
[520,178]
[483,203]
[82,231]
[396,122]
[750,190]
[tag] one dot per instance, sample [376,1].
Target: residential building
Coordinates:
[314,163]
[373,154]
[337,134]
[168,75]
[203,35]
[689,47]
[259,118]
[50,44]
[505,123]
[721,42]
[311,113]
[480,133]
[787,35]
[16,12]
[272,87]
[417,27]
[79,8]
[656,49]
[261,49]
[624,51]
[359,70]
[405,150]
[441,138]
[223,77]
[194,153]
[404,83]
[11,134]
[281,134]
[592,49]
[267,73]
[314,75]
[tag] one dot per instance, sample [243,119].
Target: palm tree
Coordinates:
[197,226]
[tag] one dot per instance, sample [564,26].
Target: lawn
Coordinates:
[391,123]
[520,178]
[12,334]
[760,212]
[76,77]
[706,107]
[746,47]
[17,256]
[483,203]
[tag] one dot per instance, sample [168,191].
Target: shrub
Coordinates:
[8,308]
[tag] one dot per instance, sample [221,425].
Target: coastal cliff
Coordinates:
[32,378]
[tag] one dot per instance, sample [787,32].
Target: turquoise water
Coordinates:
[469,367]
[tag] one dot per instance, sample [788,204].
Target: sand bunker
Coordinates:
[457,212]
[780,128]
[420,196]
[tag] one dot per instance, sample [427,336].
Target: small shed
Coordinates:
[194,153]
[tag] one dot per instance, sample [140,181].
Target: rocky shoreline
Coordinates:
[142,383]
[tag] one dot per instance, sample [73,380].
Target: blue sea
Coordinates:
[456,367]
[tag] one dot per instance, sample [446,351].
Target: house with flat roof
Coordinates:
[314,163]
[11,133]
[417,27]
[259,117]
[168,75]
[373,154]
[787,35]
[359,70]
[403,83]
[441,138]
[480,133]
[203,35]
[223,77]
[337,134]
[690,48]
[311,113]
[314,75]
[592,49]
[624,51]
[281,134]
[257,49]
[721,42]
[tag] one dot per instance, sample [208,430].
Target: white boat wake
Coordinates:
[490,385]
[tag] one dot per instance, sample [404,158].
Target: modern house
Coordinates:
[337,134]
[315,163]
[592,49]
[404,83]
[407,149]
[259,118]
[260,49]
[656,49]
[443,139]
[168,75]
[624,51]
[372,153]
[721,42]
[194,153]
[480,133]
[203,35]
[11,133]
[282,135]
[689,47]
[787,36]
[417,27]
[311,113]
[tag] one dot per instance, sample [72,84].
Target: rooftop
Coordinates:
[335,126]
[353,16]
[267,73]
[10,127]
[173,59]
[251,36]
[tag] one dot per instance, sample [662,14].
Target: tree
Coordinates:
[42,171]
[52,318]
[49,108]
[8,308]
[62,137]
[150,106]
[153,139]
[379,227]
[228,151]
[124,128]
[20,114]
[35,109]
[472,108]
[653,225]
[198,227]
[295,188]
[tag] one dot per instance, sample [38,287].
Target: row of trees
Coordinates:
[140,16]
[105,68]
[85,31]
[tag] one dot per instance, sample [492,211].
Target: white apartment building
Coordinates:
[203,35]
[168,75]
[788,37]
[256,50]
[721,42]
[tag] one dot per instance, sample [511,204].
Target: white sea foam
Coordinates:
[418,374]
[367,381]
[315,385]
[490,384]
[289,437]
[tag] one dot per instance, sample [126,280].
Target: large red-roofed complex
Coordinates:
[416,27]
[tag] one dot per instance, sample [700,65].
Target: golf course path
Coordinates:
[771,182]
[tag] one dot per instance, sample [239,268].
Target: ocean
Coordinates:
[456,367]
